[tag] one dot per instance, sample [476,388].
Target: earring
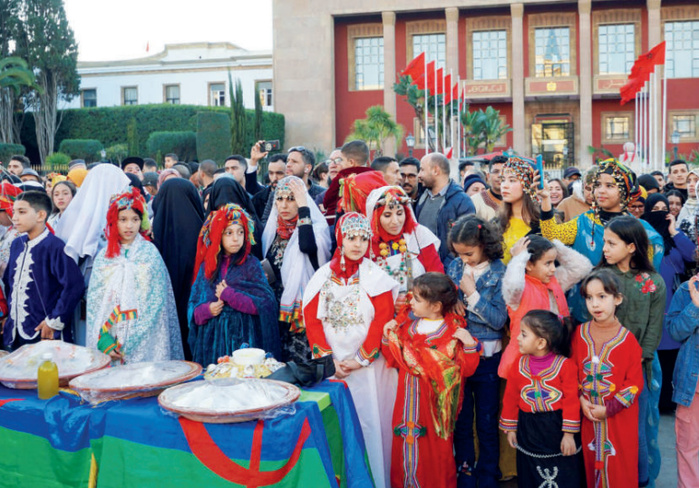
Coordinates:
[342,259]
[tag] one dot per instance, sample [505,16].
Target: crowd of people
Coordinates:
[500,324]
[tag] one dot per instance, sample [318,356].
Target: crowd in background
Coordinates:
[497,324]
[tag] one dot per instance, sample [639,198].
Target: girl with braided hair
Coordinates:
[131,312]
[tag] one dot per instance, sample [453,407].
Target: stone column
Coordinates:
[517,78]
[654,38]
[389,74]
[585,53]
[452,54]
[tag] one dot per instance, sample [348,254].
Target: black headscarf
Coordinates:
[227,190]
[658,219]
[135,182]
[176,227]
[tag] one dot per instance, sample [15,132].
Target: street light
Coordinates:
[410,142]
[675,137]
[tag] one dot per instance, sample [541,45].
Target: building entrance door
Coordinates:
[554,139]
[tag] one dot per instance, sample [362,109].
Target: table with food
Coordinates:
[171,423]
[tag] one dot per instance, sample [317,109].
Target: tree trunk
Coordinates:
[7,109]
[46,115]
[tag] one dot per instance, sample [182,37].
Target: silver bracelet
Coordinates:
[305,221]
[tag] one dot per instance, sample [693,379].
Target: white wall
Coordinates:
[194,86]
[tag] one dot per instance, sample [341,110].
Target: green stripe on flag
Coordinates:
[30,461]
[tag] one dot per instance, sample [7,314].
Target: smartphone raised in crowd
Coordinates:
[267,146]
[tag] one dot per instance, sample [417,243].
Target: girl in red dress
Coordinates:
[541,412]
[610,377]
[433,353]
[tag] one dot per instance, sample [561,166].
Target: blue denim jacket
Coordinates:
[486,322]
[682,323]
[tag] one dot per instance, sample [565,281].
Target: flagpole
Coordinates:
[458,110]
[636,128]
[444,118]
[427,134]
[643,125]
[662,162]
[651,121]
[436,112]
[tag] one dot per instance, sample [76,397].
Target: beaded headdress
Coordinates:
[129,200]
[391,197]
[355,224]
[209,245]
[524,172]
[283,189]
[624,178]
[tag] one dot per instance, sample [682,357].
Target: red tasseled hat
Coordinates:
[209,243]
[133,200]
[355,189]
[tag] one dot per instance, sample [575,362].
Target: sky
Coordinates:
[109,30]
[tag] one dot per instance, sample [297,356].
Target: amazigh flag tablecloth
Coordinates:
[135,443]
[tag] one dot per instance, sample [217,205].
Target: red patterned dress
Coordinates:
[541,404]
[612,373]
[431,368]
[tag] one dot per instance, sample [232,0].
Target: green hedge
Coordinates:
[213,136]
[183,143]
[9,150]
[87,149]
[109,124]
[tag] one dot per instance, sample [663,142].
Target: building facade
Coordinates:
[552,68]
[192,74]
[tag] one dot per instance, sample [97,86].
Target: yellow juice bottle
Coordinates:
[47,378]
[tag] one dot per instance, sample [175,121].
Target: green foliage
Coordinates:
[213,138]
[15,75]
[238,117]
[482,127]
[45,40]
[599,153]
[117,152]
[132,137]
[110,124]
[375,129]
[183,143]
[87,149]
[57,161]
[9,150]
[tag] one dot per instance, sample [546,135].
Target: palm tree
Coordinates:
[493,127]
[15,74]
[375,129]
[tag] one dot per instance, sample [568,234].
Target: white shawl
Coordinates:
[296,268]
[82,225]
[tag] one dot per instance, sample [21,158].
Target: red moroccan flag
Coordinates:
[434,83]
[415,68]
[446,88]
[451,95]
[641,70]
[429,73]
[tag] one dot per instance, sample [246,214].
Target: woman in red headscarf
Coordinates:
[231,302]
[399,245]
[131,313]
[346,304]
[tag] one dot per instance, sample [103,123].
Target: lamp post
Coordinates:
[675,137]
[410,142]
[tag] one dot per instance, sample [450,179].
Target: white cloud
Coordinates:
[114,30]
